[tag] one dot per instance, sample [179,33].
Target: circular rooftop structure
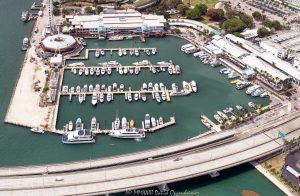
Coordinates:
[59,42]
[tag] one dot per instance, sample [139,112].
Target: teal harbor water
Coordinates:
[18,146]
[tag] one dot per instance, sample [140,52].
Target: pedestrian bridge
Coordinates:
[182,161]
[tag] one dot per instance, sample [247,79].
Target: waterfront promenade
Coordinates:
[151,170]
[24,109]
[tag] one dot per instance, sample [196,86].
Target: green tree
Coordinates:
[263,32]
[56,11]
[233,25]
[215,14]
[89,10]
[277,25]
[55,3]
[248,20]
[257,15]
[182,8]
[99,9]
[202,9]
[267,23]
[192,14]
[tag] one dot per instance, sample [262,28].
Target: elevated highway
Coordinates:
[150,168]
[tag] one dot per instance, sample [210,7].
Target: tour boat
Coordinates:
[130,133]
[78,137]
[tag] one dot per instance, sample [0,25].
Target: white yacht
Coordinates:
[125,70]
[120,52]
[153,121]
[124,123]
[93,124]
[136,52]
[124,52]
[117,123]
[137,70]
[257,92]
[81,98]
[86,71]
[97,53]
[101,98]
[91,88]
[102,52]
[92,71]
[153,69]
[252,89]
[70,125]
[144,87]
[109,97]
[78,124]
[97,88]
[80,72]
[102,70]
[98,71]
[163,96]
[77,89]
[147,121]
[131,70]
[37,130]
[121,71]
[136,96]
[109,70]
[153,51]
[157,97]
[103,88]
[121,87]
[126,96]
[160,121]
[170,70]
[130,133]
[129,97]
[156,87]
[194,86]
[94,99]
[150,86]
[115,86]
[162,86]
[144,97]
[85,88]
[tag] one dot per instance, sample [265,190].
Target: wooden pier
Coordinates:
[165,124]
[111,50]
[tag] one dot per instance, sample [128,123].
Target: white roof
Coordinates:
[280,64]
[256,63]
[56,42]
[230,48]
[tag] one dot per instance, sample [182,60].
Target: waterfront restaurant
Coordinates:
[112,21]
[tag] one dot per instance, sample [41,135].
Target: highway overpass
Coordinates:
[185,160]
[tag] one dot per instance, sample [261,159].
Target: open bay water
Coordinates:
[18,146]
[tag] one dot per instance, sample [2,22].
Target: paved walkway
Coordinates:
[273,179]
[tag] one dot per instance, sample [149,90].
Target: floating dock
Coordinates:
[165,124]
